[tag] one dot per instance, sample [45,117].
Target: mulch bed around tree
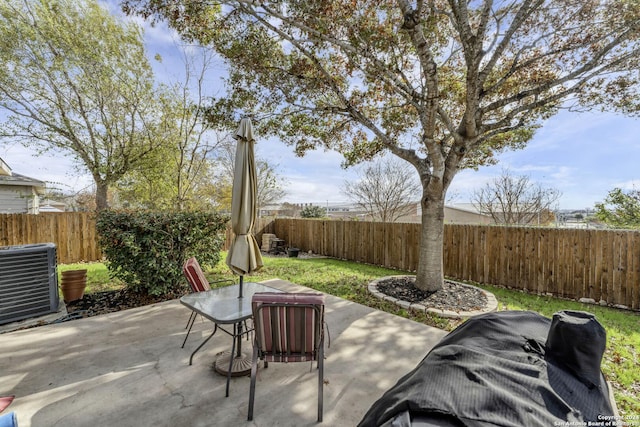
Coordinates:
[453,296]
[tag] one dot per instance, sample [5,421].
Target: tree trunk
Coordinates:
[101,196]
[430,274]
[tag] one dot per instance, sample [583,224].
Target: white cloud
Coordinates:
[315,178]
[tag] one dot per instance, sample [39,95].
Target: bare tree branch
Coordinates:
[386,190]
[515,200]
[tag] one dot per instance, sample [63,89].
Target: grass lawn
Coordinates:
[349,280]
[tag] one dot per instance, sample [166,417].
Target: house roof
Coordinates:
[18,179]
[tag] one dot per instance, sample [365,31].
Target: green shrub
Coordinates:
[313,212]
[146,250]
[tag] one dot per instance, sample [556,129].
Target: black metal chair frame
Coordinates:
[192,319]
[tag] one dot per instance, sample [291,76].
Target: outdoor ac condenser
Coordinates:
[28,281]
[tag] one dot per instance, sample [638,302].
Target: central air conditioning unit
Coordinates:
[28,281]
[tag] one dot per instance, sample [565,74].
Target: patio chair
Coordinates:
[288,327]
[198,283]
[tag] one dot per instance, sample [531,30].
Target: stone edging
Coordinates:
[492,302]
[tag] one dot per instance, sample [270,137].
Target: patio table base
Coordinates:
[241,366]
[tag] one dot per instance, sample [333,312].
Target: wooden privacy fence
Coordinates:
[596,264]
[393,245]
[74,233]
[602,265]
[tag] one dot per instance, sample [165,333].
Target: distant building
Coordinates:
[348,211]
[542,218]
[453,214]
[49,205]
[465,214]
[292,210]
[19,193]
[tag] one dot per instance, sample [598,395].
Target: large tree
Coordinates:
[76,80]
[620,209]
[180,175]
[515,199]
[386,189]
[442,84]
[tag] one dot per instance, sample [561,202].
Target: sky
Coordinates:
[583,155]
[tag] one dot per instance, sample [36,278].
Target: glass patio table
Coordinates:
[223,307]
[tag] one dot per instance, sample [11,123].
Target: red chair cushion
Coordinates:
[5,401]
[195,276]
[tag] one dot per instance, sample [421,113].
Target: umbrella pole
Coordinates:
[239,325]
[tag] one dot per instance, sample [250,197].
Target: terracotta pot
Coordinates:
[74,274]
[73,284]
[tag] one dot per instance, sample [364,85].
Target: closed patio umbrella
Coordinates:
[244,254]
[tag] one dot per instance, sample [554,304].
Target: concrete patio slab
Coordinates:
[127,369]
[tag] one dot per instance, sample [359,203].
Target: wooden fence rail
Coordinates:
[603,265]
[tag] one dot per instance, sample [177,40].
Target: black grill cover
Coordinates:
[510,368]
